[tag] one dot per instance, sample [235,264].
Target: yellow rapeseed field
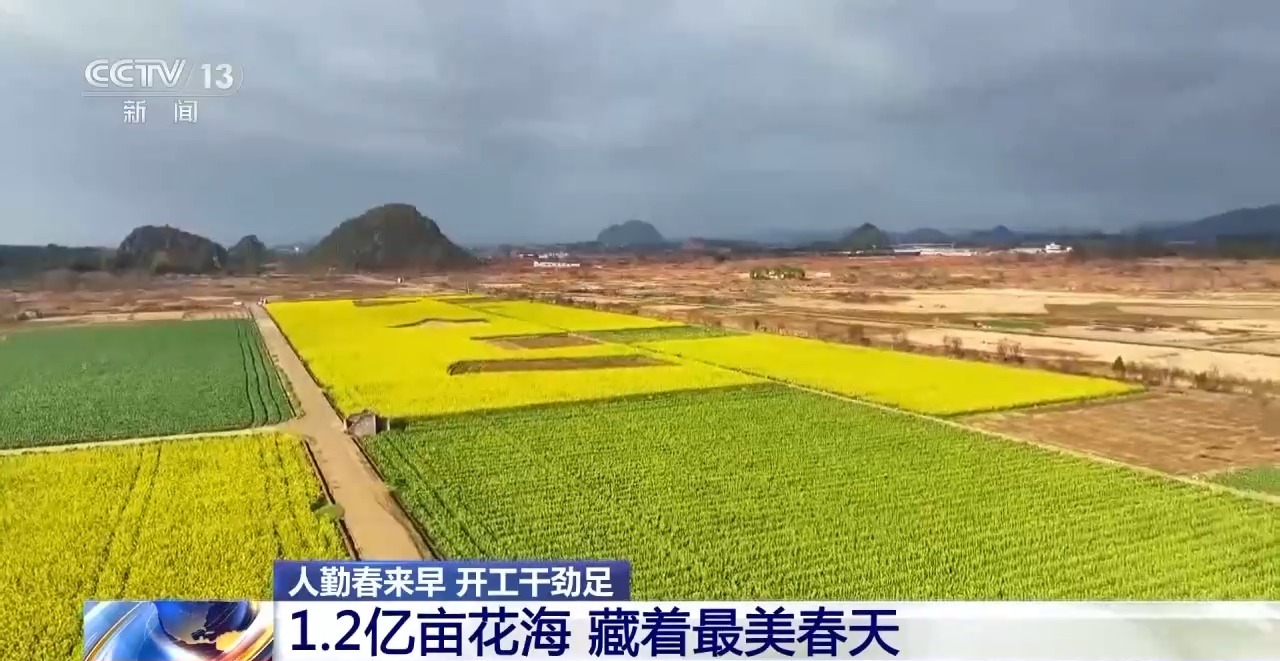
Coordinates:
[395,359]
[927,384]
[194,519]
[570,319]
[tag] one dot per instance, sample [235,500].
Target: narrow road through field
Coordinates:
[378,527]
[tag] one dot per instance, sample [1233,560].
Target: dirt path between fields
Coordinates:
[269,429]
[379,529]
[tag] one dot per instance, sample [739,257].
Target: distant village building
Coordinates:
[556,265]
[933,249]
[1050,249]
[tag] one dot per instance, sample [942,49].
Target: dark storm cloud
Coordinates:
[548,119]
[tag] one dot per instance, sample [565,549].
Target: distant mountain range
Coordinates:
[398,236]
[1257,223]
[1259,226]
[1253,222]
[387,237]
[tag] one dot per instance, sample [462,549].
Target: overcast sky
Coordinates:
[548,119]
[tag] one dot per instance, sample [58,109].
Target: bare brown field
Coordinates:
[70,295]
[1185,433]
[1037,273]
[1186,318]
[1269,347]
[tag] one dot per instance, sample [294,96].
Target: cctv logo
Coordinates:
[135,74]
[154,77]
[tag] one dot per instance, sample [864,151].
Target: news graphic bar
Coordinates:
[941,631]
[561,580]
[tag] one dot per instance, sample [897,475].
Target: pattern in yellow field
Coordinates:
[361,356]
[927,384]
[570,319]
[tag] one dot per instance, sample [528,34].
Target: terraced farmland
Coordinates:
[109,381]
[926,384]
[397,359]
[770,492]
[184,519]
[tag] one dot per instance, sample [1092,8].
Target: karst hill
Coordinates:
[165,249]
[631,234]
[391,236]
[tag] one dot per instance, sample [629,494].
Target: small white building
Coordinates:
[1050,249]
[947,252]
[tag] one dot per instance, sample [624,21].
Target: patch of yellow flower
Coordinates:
[188,519]
[570,319]
[926,384]
[395,358]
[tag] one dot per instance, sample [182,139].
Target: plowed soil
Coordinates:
[1184,433]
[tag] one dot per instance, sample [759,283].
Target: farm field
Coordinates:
[193,518]
[661,334]
[1184,433]
[566,318]
[824,498]
[396,358]
[109,381]
[1263,479]
[926,384]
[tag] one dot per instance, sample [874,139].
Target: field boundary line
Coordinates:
[88,445]
[1212,473]
[419,421]
[1067,405]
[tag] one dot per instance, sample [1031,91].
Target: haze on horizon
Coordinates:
[546,120]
